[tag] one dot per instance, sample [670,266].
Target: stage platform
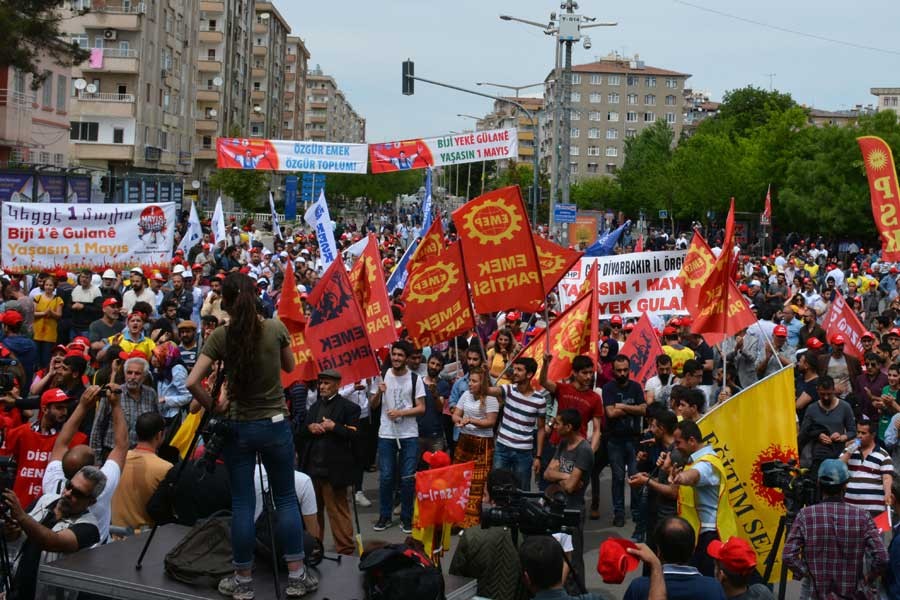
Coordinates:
[109,571]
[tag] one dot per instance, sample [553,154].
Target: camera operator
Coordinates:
[833,546]
[489,555]
[571,468]
[662,497]
[254,352]
[58,524]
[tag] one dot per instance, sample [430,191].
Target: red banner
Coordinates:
[569,336]
[442,494]
[501,262]
[841,319]
[290,312]
[885,193]
[642,347]
[555,261]
[431,244]
[367,281]
[437,304]
[337,328]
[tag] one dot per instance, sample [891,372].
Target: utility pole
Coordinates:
[771,77]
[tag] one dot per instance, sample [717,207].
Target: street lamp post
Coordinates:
[515,88]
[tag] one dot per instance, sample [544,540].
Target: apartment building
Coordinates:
[506,116]
[614,99]
[267,72]
[131,105]
[888,98]
[329,116]
[296,61]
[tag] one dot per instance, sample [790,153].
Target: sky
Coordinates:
[363,43]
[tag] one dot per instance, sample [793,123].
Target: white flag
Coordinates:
[276,228]
[194,232]
[318,218]
[218,222]
[357,248]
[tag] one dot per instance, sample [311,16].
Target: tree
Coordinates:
[744,109]
[598,193]
[244,185]
[32,33]
[646,177]
[380,187]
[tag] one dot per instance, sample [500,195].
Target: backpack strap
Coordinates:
[413,377]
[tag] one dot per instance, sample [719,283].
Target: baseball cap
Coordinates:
[814,343]
[833,472]
[735,555]
[869,335]
[513,316]
[109,274]
[133,354]
[53,396]
[58,348]
[893,332]
[110,302]
[11,317]
[615,320]
[614,562]
[780,331]
[667,331]
[837,340]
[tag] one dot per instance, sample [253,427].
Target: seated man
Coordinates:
[58,524]
[142,473]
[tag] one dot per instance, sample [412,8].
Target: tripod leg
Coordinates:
[140,559]
[268,507]
[773,553]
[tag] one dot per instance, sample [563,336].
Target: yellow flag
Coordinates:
[753,427]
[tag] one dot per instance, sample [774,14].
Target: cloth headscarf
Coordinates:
[167,356]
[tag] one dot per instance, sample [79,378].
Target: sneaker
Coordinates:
[406,527]
[619,521]
[302,585]
[361,499]
[382,524]
[230,586]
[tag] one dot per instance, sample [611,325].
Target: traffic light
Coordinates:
[408,81]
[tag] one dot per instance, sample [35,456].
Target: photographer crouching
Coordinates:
[254,351]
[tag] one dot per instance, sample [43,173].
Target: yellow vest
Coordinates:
[726,522]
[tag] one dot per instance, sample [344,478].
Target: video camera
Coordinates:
[7,376]
[532,513]
[797,485]
[7,473]
[215,435]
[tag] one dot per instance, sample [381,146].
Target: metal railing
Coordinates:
[106,97]
[208,28]
[16,98]
[119,52]
[125,8]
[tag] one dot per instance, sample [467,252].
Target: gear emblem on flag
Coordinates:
[493,222]
[697,267]
[568,341]
[550,263]
[432,282]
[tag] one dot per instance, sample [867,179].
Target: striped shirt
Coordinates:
[520,414]
[865,489]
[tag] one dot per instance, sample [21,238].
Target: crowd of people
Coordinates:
[109,368]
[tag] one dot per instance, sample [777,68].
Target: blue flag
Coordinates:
[427,212]
[605,245]
[397,280]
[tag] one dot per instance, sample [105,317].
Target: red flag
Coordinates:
[290,312]
[569,337]
[437,303]
[842,320]
[500,259]
[885,193]
[698,264]
[642,347]
[337,328]
[766,218]
[442,494]
[883,522]
[431,244]
[639,245]
[367,280]
[555,261]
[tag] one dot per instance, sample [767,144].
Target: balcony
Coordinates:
[319,91]
[106,104]
[287,114]
[170,79]
[211,36]
[209,66]
[94,151]
[257,95]
[258,72]
[257,117]
[170,120]
[113,15]
[318,106]
[260,50]
[206,125]
[208,94]
[290,76]
[260,28]
[291,58]
[205,154]
[289,96]
[209,6]
[526,135]
[313,119]
[115,60]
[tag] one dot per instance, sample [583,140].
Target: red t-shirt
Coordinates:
[31,449]
[587,402]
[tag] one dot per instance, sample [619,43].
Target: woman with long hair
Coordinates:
[475,415]
[609,349]
[47,312]
[505,349]
[254,351]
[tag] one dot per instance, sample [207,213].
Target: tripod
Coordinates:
[6,581]
[784,525]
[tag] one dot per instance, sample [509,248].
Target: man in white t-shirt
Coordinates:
[402,394]
[139,292]
[65,462]
[306,496]
[659,387]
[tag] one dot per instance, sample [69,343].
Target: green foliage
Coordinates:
[381,187]
[744,109]
[598,193]
[32,32]
[646,176]
[245,186]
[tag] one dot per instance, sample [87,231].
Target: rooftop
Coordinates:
[624,66]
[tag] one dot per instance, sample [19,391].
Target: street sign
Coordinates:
[663,214]
[565,213]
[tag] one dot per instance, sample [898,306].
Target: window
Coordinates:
[594,133]
[670,100]
[593,151]
[207,142]
[650,100]
[163,140]
[595,116]
[612,134]
[575,115]
[256,85]
[633,80]
[61,83]
[670,117]
[81,40]
[612,117]
[84,131]
[212,25]
[671,83]
[593,168]
[631,117]
[58,159]
[614,79]
[47,90]
[596,79]
[612,151]
[576,97]
[574,133]
[610,168]
[573,150]
[613,98]
[632,98]
[118,135]
[576,79]
[649,117]
[596,97]
[891,100]
[254,130]
[630,133]
[650,81]
[573,168]
[159,100]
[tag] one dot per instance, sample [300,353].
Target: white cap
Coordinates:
[187,274]
[304,251]
[178,270]
[95,279]
[283,254]
[266,252]
[252,275]
[137,270]
[109,274]
[301,288]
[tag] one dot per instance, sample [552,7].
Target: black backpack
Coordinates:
[203,557]
[398,571]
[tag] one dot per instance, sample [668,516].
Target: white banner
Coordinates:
[318,218]
[452,149]
[40,237]
[630,284]
[290,155]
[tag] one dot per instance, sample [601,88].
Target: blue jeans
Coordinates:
[622,456]
[405,450]
[275,444]
[517,461]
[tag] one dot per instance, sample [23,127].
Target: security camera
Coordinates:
[587,42]
[553,16]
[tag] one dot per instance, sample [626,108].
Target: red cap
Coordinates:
[513,316]
[52,396]
[814,343]
[133,354]
[196,266]
[436,460]
[58,348]
[110,302]
[780,331]
[837,339]
[894,331]
[179,251]
[736,555]
[11,317]
[669,331]
[869,335]
[615,320]
[629,326]
[614,562]
[686,321]
[60,274]
[676,322]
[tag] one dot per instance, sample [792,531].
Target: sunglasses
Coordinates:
[76,493]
